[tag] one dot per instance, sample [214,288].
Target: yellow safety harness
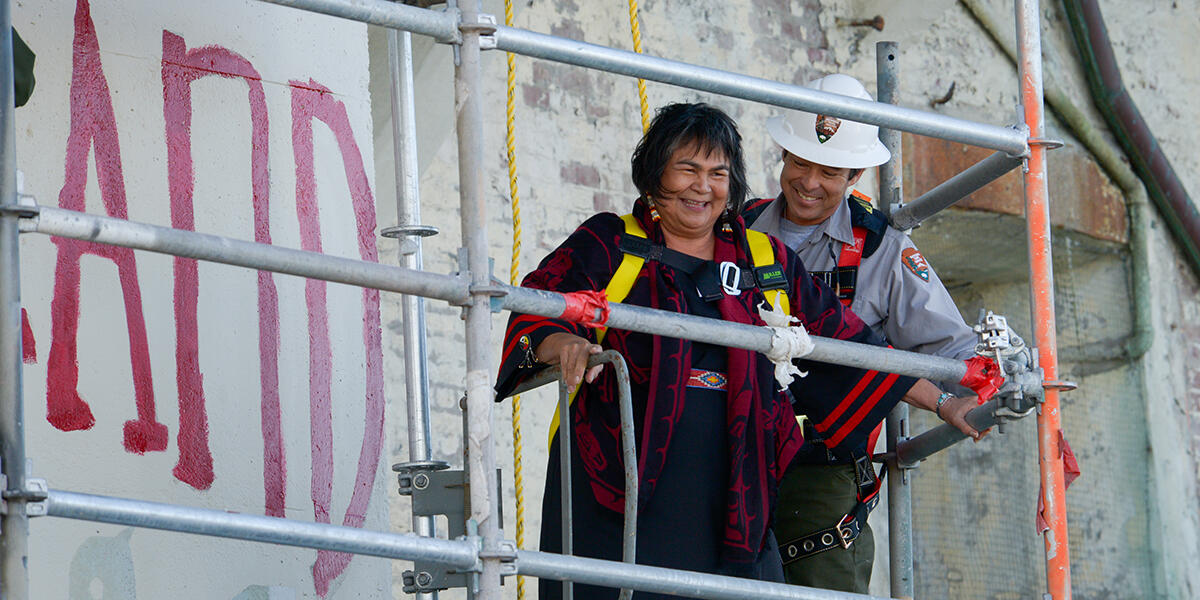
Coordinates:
[622,281]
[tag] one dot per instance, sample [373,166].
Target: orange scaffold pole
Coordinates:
[1037,213]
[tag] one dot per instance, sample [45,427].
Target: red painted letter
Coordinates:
[92,120]
[180,67]
[313,101]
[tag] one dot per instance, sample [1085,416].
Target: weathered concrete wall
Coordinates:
[1132,514]
[204,386]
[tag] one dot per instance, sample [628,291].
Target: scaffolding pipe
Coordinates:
[735,85]
[452,289]
[912,451]
[258,528]
[460,554]
[667,581]
[628,448]
[201,246]
[705,79]
[441,26]
[567,504]
[14,571]
[891,193]
[480,448]
[1037,211]
[949,192]
[412,308]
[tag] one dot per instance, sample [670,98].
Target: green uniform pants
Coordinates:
[816,497]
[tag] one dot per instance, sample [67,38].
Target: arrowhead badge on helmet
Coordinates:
[826,127]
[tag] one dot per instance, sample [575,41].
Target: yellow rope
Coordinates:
[510,145]
[637,47]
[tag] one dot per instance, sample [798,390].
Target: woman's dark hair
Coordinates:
[678,125]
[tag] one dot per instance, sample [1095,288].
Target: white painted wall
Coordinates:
[83,560]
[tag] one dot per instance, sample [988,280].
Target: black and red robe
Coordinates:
[762,435]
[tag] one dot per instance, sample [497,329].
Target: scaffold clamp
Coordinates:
[485,26]
[35,493]
[507,553]
[25,211]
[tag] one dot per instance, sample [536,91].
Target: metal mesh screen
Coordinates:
[974,505]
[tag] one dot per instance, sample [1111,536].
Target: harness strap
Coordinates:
[635,253]
[843,534]
[765,267]
[844,277]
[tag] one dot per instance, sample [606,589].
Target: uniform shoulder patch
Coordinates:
[913,261]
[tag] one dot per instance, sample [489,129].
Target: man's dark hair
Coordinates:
[678,125]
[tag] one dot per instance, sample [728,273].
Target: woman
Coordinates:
[710,456]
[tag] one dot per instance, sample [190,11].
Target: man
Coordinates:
[883,277]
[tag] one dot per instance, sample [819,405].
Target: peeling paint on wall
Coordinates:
[102,569]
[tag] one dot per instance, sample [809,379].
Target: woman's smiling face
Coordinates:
[695,190]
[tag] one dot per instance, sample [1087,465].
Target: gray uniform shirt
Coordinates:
[898,295]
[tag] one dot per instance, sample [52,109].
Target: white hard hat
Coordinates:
[827,140]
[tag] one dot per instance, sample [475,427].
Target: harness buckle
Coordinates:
[864,475]
[847,533]
[731,278]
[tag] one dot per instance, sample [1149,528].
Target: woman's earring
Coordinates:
[653,211]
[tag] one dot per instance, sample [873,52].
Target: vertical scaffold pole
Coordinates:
[481,451]
[14,572]
[891,187]
[408,209]
[1037,212]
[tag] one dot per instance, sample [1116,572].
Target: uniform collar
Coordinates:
[838,226]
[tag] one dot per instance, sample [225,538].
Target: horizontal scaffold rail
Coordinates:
[458,554]
[912,451]
[949,192]
[457,291]
[623,62]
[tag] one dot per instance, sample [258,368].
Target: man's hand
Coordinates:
[924,394]
[571,353]
[954,411]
